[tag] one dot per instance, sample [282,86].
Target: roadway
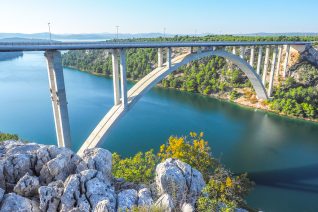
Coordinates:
[44,46]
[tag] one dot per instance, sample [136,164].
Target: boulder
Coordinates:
[98,159]
[17,203]
[165,202]
[27,186]
[50,196]
[85,190]
[127,199]
[180,181]
[144,197]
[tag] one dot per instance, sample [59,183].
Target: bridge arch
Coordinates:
[153,78]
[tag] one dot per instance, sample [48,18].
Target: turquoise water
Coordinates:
[281,154]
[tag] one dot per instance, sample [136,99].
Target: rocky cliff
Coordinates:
[35,177]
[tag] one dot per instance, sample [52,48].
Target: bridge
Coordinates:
[260,61]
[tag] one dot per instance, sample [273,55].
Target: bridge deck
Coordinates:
[43,46]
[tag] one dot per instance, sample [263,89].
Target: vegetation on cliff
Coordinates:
[7,136]
[223,187]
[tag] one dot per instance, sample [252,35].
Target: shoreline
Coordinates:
[218,97]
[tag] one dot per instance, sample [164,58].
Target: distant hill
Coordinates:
[18,39]
[93,36]
[107,36]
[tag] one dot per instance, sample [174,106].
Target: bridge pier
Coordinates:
[259,60]
[286,60]
[242,52]
[265,65]
[252,56]
[123,79]
[234,50]
[58,97]
[115,77]
[169,57]
[280,49]
[160,57]
[271,80]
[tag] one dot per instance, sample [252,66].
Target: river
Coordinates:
[281,154]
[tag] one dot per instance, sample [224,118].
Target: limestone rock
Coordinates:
[186,207]
[179,180]
[2,178]
[102,206]
[18,148]
[17,203]
[127,199]
[98,159]
[165,202]
[1,194]
[15,167]
[60,167]
[85,190]
[50,196]
[310,54]
[27,186]
[144,197]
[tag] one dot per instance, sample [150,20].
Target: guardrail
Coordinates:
[42,46]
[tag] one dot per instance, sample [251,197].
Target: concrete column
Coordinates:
[252,56]
[115,77]
[265,65]
[271,80]
[191,50]
[242,52]
[259,60]
[58,97]
[234,50]
[286,61]
[280,49]
[160,57]
[169,57]
[214,48]
[123,79]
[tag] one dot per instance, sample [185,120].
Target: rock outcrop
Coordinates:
[36,177]
[310,54]
[179,181]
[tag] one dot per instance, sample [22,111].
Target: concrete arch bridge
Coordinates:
[248,56]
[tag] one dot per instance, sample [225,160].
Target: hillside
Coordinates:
[214,76]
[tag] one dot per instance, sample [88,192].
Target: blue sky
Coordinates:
[177,16]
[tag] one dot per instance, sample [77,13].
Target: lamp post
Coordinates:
[49,24]
[117,28]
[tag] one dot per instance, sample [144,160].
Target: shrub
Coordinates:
[193,150]
[7,136]
[234,95]
[224,191]
[138,169]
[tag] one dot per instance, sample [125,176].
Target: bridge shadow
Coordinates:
[290,178]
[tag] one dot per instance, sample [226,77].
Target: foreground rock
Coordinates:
[179,182]
[37,177]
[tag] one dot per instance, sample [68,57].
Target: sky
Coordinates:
[144,16]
